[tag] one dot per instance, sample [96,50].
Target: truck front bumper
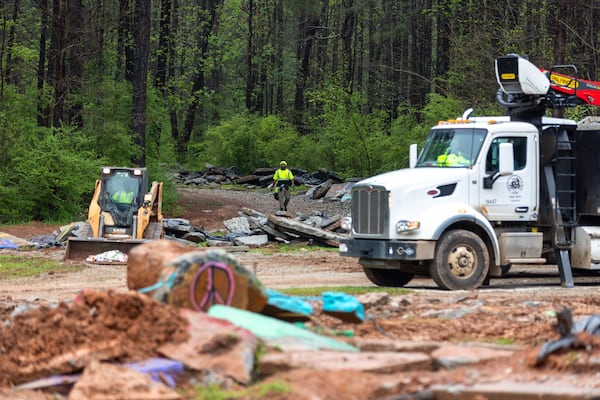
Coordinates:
[410,250]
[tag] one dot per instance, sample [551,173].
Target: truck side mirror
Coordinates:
[413,155]
[506,165]
[507,159]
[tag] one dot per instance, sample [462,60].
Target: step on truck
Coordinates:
[486,193]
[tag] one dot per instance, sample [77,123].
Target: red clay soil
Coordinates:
[98,325]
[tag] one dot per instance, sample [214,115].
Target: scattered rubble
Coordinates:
[420,345]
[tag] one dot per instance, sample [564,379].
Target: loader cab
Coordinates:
[122,192]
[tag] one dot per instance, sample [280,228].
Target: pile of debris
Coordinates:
[261,177]
[254,229]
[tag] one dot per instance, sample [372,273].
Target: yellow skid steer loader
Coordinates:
[122,214]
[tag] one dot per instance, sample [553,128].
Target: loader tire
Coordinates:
[86,231]
[153,231]
[461,261]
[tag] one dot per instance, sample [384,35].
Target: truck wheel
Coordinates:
[461,261]
[388,277]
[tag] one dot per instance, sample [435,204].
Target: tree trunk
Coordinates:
[75,37]
[278,40]
[306,37]
[125,47]
[57,68]
[347,50]
[165,41]
[43,112]
[250,72]
[210,7]
[10,44]
[140,74]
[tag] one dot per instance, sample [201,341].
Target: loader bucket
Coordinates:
[81,248]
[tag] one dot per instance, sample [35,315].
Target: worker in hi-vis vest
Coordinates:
[283,179]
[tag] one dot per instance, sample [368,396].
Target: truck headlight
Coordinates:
[343,248]
[405,226]
[346,223]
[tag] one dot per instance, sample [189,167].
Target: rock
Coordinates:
[198,280]
[215,346]
[112,382]
[251,241]
[238,225]
[146,261]
[338,361]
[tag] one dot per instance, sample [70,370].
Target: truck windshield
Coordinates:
[452,147]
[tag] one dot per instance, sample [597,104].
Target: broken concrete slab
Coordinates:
[306,231]
[219,243]
[506,390]
[113,382]
[452,356]
[379,362]
[216,346]
[251,241]
[238,225]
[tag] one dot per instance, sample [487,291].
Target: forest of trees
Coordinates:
[339,84]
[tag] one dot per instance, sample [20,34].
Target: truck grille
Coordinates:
[369,210]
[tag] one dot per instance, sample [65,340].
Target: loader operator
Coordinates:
[283,179]
[123,196]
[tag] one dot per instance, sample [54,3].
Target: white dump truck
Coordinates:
[486,193]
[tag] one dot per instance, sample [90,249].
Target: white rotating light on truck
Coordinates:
[405,226]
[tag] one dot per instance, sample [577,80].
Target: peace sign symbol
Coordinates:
[214,283]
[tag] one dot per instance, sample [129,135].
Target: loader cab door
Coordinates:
[511,197]
[121,196]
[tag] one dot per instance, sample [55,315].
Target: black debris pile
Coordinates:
[261,177]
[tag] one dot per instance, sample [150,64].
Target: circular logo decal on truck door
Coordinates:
[515,184]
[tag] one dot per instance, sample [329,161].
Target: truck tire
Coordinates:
[461,261]
[388,277]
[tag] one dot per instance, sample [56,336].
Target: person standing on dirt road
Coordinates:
[283,179]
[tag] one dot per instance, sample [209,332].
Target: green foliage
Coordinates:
[258,391]
[247,142]
[45,174]
[55,175]
[347,139]
[107,116]
[412,126]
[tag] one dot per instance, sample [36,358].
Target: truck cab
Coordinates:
[476,202]
[487,193]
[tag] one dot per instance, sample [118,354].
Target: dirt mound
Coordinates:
[96,326]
